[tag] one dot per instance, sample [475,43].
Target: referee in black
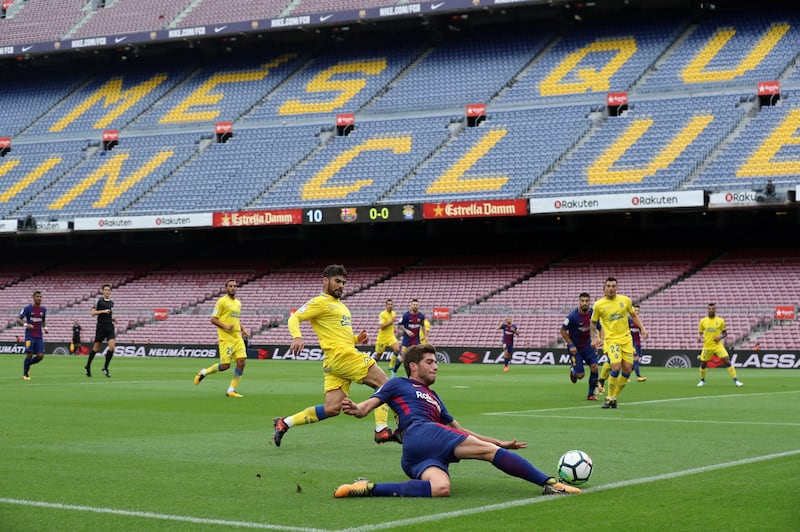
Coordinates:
[102,308]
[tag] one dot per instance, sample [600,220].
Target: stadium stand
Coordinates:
[40,20]
[693,122]
[221,11]
[756,153]
[126,16]
[729,51]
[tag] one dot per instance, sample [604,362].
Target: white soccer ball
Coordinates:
[574,467]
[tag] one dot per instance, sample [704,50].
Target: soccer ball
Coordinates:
[574,467]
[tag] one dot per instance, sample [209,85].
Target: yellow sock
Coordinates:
[605,371]
[235,380]
[621,382]
[703,373]
[392,359]
[213,368]
[304,417]
[381,417]
[612,387]
[731,371]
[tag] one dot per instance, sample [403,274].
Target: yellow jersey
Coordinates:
[228,310]
[330,319]
[710,328]
[386,335]
[613,317]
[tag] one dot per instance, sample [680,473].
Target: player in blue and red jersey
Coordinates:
[32,318]
[509,329]
[410,325]
[576,331]
[637,345]
[432,439]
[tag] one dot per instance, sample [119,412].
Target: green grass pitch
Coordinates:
[148,450]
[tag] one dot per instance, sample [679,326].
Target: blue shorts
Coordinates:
[586,355]
[429,444]
[34,345]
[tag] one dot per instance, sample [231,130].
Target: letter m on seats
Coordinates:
[112,95]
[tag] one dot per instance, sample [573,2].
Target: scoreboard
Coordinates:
[408,212]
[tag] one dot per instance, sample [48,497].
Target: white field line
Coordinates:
[401,522]
[634,403]
[162,517]
[542,499]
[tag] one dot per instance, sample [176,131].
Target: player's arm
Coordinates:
[361,338]
[593,330]
[215,321]
[360,409]
[505,444]
[565,336]
[722,335]
[96,312]
[404,325]
[638,321]
[44,316]
[308,311]
[22,322]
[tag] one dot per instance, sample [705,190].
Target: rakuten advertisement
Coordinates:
[161,221]
[618,202]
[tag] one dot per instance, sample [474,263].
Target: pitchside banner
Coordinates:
[124,349]
[555,357]
[618,202]
[768,359]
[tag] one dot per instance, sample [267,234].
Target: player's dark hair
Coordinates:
[414,354]
[415,299]
[636,305]
[610,278]
[39,292]
[104,286]
[229,281]
[390,299]
[584,294]
[333,270]
[712,304]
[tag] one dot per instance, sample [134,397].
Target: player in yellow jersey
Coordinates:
[343,363]
[712,332]
[387,323]
[231,334]
[613,311]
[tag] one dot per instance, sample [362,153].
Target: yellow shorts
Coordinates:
[381,346]
[345,366]
[720,351]
[230,350]
[618,351]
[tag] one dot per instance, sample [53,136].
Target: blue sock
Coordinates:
[35,360]
[320,411]
[626,375]
[26,364]
[636,368]
[614,373]
[237,372]
[411,488]
[592,382]
[515,465]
